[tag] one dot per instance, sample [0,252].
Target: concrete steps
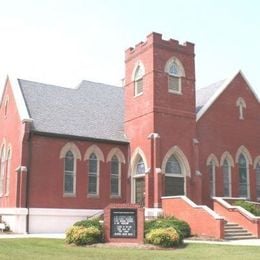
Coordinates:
[233,231]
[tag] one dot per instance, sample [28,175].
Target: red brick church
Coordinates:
[66,153]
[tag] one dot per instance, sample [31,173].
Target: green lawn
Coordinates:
[52,249]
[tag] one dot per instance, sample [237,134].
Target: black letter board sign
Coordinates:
[123,223]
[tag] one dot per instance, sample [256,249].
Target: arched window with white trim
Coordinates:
[69,174]
[116,158]
[70,153]
[2,169]
[243,176]
[139,180]
[175,71]
[138,79]
[176,168]
[226,168]
[93,175]
[257,172]
[115,177]
[212,178]
[7,169]
[174,178]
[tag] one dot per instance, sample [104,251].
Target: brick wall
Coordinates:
[220,130]
[47,176]
[13,132]
[201,219]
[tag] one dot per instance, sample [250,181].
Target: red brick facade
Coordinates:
[157,124]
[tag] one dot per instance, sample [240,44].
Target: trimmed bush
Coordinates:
[89,223]
[182,227]
[85,232]
[248,206]
[80,235]
[166,237]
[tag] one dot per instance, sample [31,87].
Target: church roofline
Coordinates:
[220,90]
[18,96]
[83,138]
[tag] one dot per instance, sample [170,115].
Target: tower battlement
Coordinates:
[157,40]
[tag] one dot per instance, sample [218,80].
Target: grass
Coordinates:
[36,248]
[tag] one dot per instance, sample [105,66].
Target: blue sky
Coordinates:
[64,41]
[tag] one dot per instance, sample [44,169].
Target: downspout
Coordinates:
[26,162]
[29,161]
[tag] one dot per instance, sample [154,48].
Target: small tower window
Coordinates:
[175,72]
[138,79]
[241,104]
[6,106]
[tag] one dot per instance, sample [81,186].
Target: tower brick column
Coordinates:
[157,188]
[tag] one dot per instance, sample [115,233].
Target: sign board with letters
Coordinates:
[123,223]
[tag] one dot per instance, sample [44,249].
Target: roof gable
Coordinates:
[18,96]
[207,96]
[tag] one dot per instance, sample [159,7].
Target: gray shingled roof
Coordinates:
[204,94]
[91,110]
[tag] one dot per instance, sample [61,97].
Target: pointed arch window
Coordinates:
[6,106]
[139,180]
[7,174]
[138,80]
[227,178]
[174,178]
[93,175]
[243,176]
[69,174]
[241,104]
[212,178]
[175,72]
[115,180]
[2,169]
[140,168]
[257,171]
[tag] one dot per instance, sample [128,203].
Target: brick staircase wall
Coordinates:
[202,220]
[236,214]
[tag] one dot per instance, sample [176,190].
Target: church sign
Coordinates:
[123,223]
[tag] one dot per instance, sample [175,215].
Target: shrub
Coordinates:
[182,227]
[248,206]
[89,223]
[80,235]
[166,237]
[95,222]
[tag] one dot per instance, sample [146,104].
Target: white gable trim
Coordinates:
[220,90]
[250,87]
[19,99]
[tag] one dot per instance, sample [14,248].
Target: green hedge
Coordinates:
[166,237]
[85,232]
[80,235]
[182,227]
[95,222]
[248,206]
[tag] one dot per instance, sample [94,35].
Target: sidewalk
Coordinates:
[244,242]
[56,236]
